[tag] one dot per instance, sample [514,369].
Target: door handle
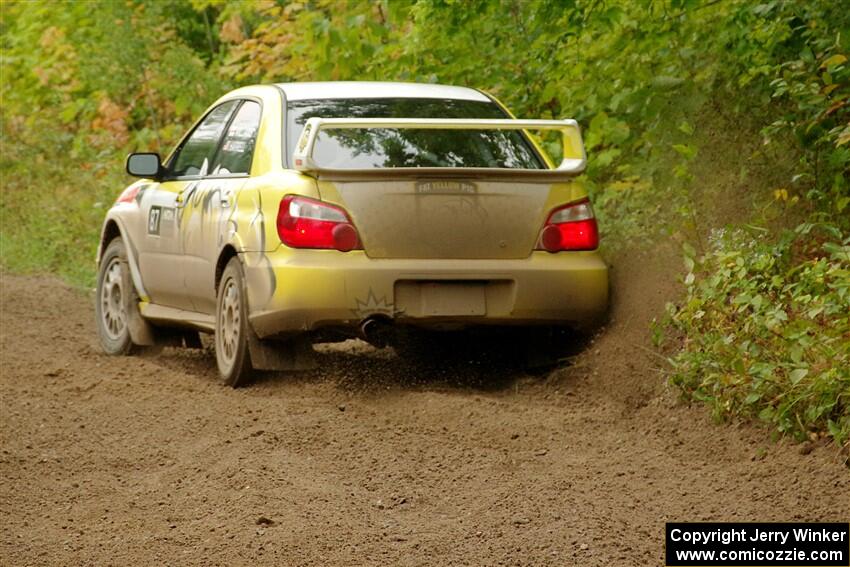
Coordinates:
[225,198]
[178,200]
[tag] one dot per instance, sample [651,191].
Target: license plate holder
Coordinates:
[453,299]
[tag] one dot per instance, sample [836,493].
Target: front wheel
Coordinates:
[231,326]
[115,298]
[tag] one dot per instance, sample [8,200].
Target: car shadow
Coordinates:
[356,366]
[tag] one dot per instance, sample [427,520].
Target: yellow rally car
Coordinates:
[312,212]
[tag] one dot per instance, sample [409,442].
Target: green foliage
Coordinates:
[81,87]
[766,326]
[106,80]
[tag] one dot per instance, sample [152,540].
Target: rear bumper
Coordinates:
[303,290]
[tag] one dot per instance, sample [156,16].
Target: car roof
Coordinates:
[375,89]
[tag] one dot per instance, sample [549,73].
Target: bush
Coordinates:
[766,329]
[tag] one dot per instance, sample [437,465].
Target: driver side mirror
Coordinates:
[145,164]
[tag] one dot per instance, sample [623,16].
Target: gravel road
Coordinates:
[371,459]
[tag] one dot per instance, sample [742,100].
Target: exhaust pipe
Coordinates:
[375,331]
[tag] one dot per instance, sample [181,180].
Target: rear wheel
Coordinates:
[116,296]
[231,326]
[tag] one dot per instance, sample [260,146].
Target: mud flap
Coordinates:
[293,354]
[192,339]
[141,332]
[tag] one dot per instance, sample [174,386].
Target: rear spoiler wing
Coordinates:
[574,162]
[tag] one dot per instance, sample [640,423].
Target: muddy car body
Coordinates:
[295,212]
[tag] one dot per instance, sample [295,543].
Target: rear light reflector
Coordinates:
[571,227]
[307,223]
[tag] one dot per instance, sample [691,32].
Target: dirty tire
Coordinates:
[114,299]
[231,326]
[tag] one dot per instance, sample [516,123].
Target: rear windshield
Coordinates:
[386,147]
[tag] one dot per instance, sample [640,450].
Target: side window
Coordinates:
[237,148]
[194,156]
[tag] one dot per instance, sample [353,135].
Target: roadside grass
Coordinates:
[762,328]
[51,214]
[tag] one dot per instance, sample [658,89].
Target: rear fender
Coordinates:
[252,230]
[252,226]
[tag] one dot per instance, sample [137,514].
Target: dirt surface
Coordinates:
[371,459]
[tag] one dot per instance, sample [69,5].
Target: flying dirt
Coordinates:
[372,458]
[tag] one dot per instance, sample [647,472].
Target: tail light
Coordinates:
[307,223]
[571,227]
